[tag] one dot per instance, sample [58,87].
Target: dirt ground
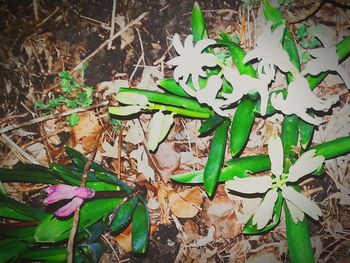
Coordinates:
[38,43]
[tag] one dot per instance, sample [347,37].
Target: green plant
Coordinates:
[205,85]
[75,94]
[37,235]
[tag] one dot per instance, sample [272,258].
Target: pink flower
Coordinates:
[62,191]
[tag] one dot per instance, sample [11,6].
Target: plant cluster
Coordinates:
[75,94]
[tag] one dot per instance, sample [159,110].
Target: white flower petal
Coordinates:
[295,212]
[187,89]
[203,44]
[250,185]
[188,45]
[299,99]
[306,164]
[301,202]
[265,211]
[175,61]
[344,75]
[177,44]
[275,149]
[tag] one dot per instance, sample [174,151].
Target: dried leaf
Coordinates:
[167,160]
[186,203]
[220,212]
[86,131]
[135,133]
[142,163]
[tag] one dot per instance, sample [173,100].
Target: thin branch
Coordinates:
[13,145]
[48,17]
[52,116]
[112,24]
[70,245]
[119,33]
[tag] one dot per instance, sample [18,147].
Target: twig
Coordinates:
[48,17]
[70,245]
[52,116]
[111,246]
[120,142]
[112,24]
[13,145]
[155,63]
[140,58]
[119,33]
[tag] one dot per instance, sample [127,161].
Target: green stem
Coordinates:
[298,238]
[180,111]
[169,99]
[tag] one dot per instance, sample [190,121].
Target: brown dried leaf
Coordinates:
[186,203]
[86,131]
[220,212]
[167,160]
[124,239]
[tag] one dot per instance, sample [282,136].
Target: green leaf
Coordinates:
[242,124]
[306,132]
[199,29]
[48,254]
[272,14]
[301,31]
[251,229]
[298,239]
[334,148]
[290,135]
[73,119]
[237,55]
[111,178]
[124,213]
[23,233]
[210,124]
[11,248]
[96,230]
[67,82]
[39,105]
[52,229]
[93,251]
[140,228]
[239,167]
[14,209]
[85,97]
[29,176]
[216,157]
[173,87]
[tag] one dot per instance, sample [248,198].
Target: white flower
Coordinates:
[269,49]
[208,94]
[326,59]
[244,84]
[299,99]
[159,127]
[297,203]
[191,60]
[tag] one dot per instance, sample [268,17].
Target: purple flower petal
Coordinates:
[84,192]
[69,208]
[59,192]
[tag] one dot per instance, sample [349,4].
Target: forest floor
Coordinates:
[38,42]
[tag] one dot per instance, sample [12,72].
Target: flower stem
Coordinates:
[180,111]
